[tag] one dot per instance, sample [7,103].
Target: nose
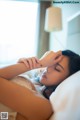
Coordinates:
[49,69]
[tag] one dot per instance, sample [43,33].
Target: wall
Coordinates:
[73,36]
[59,39]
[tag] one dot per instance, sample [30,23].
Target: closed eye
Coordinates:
[57,70]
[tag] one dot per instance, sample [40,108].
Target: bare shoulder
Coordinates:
[36,106]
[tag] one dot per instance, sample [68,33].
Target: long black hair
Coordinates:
[74,66]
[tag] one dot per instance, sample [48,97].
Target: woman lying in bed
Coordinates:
[28,102]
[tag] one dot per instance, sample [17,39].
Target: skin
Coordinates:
[23,100]
[27,103]
[53,75]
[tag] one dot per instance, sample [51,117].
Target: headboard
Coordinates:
[73,37]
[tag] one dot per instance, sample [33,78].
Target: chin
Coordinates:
[43,81]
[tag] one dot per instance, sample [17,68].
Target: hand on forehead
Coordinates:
[50,58]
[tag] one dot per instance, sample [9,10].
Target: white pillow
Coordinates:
[66,99]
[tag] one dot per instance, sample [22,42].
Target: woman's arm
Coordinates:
[26,102]
[48,59]
[11,71]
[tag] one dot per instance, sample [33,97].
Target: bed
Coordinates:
[66,99]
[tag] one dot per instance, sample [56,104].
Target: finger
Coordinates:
[25,62]
[29,62]
[59,58]
[34,62]
[20,60]
[57,54]
[37,60]
[38,63]
[45,54]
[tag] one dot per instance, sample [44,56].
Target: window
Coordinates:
[18,30]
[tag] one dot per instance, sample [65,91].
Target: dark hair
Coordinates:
[74,66]
[74,61]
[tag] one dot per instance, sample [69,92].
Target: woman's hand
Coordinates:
[31,63]
[50,58]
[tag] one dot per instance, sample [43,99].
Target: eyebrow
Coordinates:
[61,66]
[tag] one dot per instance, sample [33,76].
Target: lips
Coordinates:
[44,75]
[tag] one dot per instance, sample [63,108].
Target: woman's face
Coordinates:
[56,74]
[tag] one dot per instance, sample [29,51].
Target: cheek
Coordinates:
[54,79]
[51,79]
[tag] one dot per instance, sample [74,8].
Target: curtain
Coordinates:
[43,37]
[18,30]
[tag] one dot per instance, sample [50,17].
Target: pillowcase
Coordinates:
[66,99]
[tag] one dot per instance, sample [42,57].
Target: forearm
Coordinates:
[13,70]
[24,101]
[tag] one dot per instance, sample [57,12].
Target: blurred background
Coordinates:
[22,31]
